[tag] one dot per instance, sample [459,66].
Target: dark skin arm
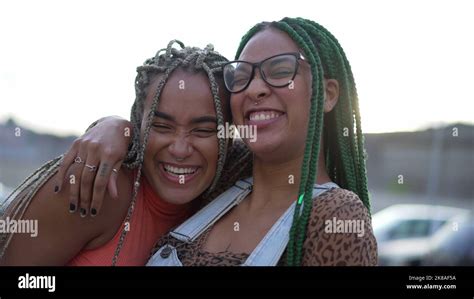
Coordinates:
[61,235]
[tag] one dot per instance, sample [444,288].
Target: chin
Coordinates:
[177,195]
[264,146]
[176,198]
[173,192]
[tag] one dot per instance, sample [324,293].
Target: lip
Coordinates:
[175,180]
[260,124]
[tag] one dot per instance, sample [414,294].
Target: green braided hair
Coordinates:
[190,59]
[340,128]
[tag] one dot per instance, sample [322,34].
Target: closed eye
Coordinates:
[162,128]
[203,133]
[240,80]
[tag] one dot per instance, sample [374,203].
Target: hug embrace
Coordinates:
[165,189]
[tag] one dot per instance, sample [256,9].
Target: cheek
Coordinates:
[208,148]
[298,105]
[236,107]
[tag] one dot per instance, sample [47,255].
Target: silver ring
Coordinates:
[91,167]
[114,170]
[78,160]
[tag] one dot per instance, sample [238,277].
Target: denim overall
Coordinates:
[267,252]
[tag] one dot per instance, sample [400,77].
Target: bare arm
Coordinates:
[59,235]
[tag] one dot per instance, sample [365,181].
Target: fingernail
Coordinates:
[83,212]
[72,208]
[93,212]
[56,189]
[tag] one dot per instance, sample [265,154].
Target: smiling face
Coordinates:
[182,150]
[281,115]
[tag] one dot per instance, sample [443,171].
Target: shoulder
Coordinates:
[338,201]
[339,231]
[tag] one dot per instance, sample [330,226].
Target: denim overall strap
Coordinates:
[269,251]
[199,222]
[167,255]
[188,231]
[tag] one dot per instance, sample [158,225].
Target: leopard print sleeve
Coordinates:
[339,232]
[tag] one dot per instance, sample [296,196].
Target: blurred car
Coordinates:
[4,192]
[415,234]
[453,248]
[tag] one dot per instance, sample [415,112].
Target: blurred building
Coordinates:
[434,162]
[22,151]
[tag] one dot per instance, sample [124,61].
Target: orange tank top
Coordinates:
[151,218]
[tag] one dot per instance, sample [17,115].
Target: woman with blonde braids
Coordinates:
[293,82]
[174,147]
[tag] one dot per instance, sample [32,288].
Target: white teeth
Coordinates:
[263,115]
[179,171]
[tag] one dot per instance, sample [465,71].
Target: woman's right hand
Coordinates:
[92,163]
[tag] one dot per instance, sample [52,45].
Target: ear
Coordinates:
[331,94]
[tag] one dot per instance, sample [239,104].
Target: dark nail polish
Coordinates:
[93,212]
[72,208]
[83,212]
[56,189]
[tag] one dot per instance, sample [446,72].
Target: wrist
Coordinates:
[102,119]
[93,125]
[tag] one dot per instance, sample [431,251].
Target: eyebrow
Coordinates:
[196,120]
[164,116]
[204,119]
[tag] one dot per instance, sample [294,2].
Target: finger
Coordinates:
[87,182]
[68,159]
[100,186]
[74,181]
[112,186]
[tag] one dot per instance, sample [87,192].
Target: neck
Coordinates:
[277,184]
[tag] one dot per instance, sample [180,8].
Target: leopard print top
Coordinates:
[321,247]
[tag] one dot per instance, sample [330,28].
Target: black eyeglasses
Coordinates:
[276,71]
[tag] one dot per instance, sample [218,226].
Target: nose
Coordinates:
[180,148]
[258,89]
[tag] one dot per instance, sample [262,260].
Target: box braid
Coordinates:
[344,155]
[188,58]
[194,59]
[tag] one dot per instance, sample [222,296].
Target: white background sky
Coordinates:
[63,64]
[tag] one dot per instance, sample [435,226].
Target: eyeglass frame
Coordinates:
[254,65]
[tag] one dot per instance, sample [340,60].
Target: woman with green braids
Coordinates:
[306,202]
[293,82]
